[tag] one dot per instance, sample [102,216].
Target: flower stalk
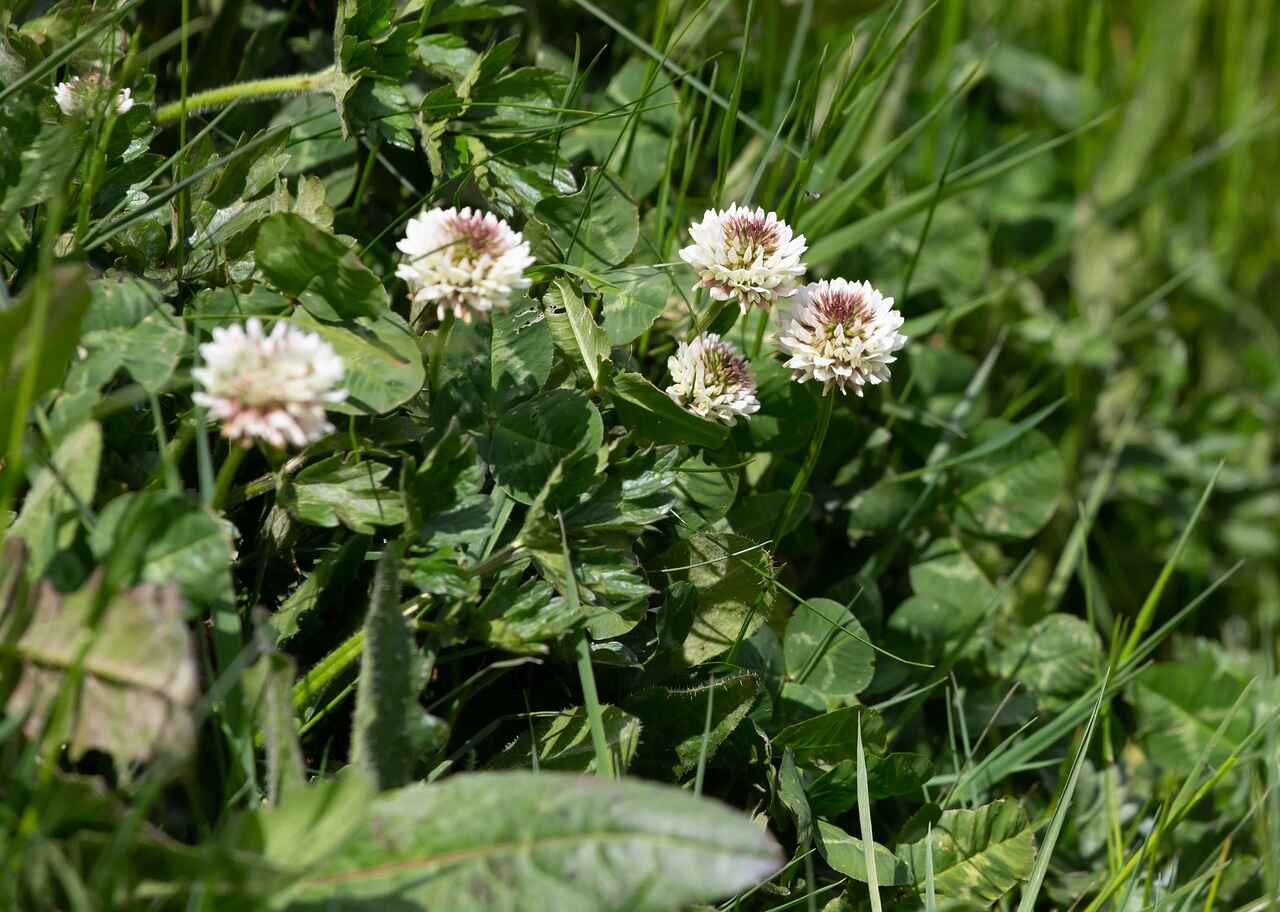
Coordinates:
[826,404]
[227,475]
[250,90]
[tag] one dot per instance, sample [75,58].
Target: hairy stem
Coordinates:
[250,90]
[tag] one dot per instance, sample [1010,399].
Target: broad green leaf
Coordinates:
[153,536]
[520,360]
[50,512]
[382,359]
[68,301]
[130,325]
[587,339]
[597,227]
[564,742]
[136,685]
[1180,705]
[847,855]
[338,564]
[792,795]
[529,440]
[835,791]
[652,414]
[332,491]
[733,591]
[554,841]
[1058,658]
[310,264]
[826,649]
[833,737]
[675,722]
[978,855]
[950,577]
[632,305]
[1012,492]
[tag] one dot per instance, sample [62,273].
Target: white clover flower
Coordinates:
[751,256]
[842,334]
[272,388]
[463,260]
[80,95]
[711,380]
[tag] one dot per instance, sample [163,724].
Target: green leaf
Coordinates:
[268,686]
[675,722]
[338,564]
[978,855]
[153,536]
[588,339]
[598,226]
[559,841]
[1014,491]
[68,302]
[50,513]
[1181,704]
[331,491]
[1058,658]
[130,325]
[388,725]
[734,595]
[564,742]
[135,684]
[950,577]
[652,414]
[382,359]
[308,263]
[826,649]
[521,354]
[531,439]
[632,305]
[792,795]
[833,737]
[847,855]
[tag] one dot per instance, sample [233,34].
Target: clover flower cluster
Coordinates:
[841,334]
[269,388]
[463,260]
[712,380]
[82,95]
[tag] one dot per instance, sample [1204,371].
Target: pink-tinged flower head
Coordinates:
[464,260]
[81,94]
[712,380]
[842,334]
[749,255]
[272,388]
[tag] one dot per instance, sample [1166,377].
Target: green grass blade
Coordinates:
[864,821]
[1032,890]
[1148,610]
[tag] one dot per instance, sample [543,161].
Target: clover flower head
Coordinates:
[463,260]
[842,334]
[80,95]
[712,380]
[749,255]
[272,388]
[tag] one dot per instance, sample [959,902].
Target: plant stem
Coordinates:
[438,349]
[825,406]
[760,328]
[250,90]
[709,316]
[227,474]
[600,742]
